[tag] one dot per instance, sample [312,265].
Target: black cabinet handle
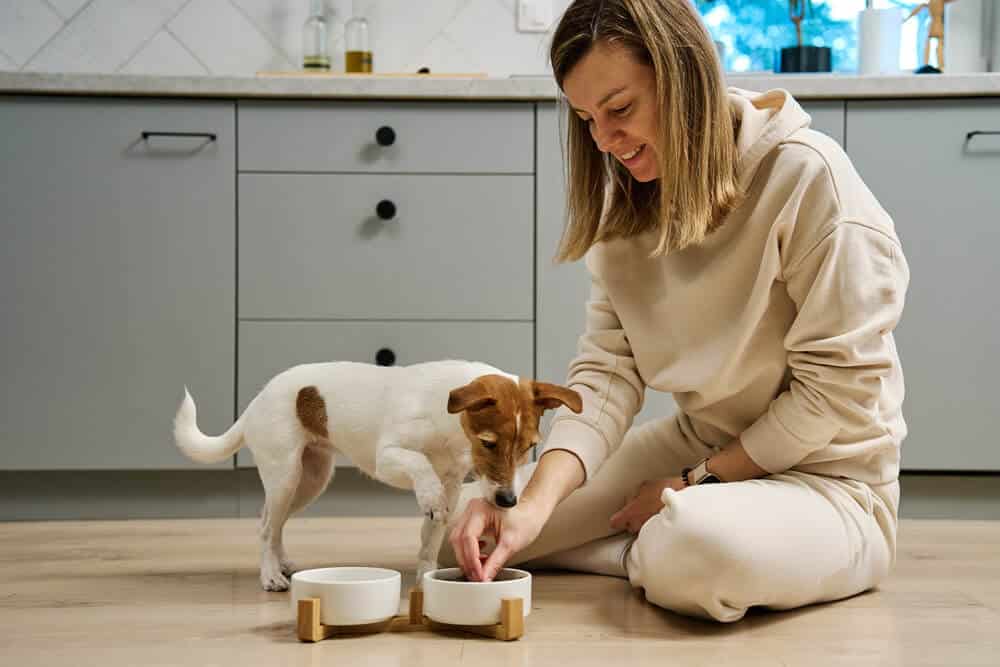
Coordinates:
[386,209]
[385,136]
[970,135]
[385,357]
[204,135]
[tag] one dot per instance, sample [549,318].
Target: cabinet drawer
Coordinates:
[267,348]
[457,247]
[426,137]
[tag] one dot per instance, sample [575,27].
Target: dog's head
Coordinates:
[500,417]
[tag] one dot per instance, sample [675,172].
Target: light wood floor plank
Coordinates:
[187,592]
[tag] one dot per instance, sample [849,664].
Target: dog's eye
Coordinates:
[488,445]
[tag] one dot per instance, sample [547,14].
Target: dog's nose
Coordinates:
[506,498]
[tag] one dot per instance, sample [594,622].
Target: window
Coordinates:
[754,31]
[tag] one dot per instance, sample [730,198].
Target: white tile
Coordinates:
[282,23]
[486,30]
[443,55]
[401,30]
[67,8]
[104,35]
[225,40]
[24,26]
[6,63]
[164,55]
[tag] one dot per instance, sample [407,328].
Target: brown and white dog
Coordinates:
[423,427]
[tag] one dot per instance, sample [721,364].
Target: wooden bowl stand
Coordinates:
[310,629]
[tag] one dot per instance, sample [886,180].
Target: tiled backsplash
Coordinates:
[242,37]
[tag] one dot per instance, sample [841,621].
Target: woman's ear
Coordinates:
[551,396]
[473,396]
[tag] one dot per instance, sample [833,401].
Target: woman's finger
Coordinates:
[456,544]
[495,562]
[469,543]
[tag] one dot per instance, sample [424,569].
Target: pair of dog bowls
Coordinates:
[363,595]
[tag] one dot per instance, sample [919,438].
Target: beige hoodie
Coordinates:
[776,329]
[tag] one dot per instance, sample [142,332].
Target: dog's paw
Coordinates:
[272,579]
[288,568]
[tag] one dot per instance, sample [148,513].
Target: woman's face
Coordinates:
[616,96]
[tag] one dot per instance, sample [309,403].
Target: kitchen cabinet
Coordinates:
[936,169]
[117,278]
[390,233]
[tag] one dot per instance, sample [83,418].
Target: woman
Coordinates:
[739,262]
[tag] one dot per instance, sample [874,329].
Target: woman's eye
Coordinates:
[489,445]
[621,111]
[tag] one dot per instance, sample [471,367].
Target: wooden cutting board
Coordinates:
[375,75]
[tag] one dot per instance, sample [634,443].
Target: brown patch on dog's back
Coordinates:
[311,410]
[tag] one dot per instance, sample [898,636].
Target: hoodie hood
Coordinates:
[765,120]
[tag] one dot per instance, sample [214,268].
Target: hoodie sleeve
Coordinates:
[605,375]
[849,290]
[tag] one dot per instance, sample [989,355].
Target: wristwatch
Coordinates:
[699,474]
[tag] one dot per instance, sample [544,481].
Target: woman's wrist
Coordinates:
[558,473]
[733,464]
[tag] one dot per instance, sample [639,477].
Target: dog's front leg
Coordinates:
[405,467]
[433,532]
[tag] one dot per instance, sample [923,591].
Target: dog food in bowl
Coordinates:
[349,595]
[451,598]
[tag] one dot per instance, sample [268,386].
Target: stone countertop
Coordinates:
[514,88]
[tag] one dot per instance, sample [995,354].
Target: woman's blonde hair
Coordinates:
[698,183]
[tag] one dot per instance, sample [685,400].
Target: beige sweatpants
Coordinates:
[716,550]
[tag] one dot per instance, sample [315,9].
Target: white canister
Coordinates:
[965,36]
[878,40]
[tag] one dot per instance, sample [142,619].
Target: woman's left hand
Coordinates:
[645,504]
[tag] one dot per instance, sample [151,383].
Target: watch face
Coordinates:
[709,479]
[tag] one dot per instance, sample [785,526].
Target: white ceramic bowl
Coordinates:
[349,595]
[449,600]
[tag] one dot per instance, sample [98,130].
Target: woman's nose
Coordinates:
[603,136]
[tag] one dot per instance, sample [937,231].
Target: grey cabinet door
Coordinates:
[827,117]
[942,189]
[266,348]
[562,289]
[117,279]
[312,246]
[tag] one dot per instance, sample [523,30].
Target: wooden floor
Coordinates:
[187,593]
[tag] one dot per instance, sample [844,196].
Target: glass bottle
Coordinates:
[315,49]
[358,54]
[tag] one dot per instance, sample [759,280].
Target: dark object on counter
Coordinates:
[927,69]
[805,59]
[424,70]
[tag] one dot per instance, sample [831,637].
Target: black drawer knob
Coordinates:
[386,209]
[385,357]
[385,136]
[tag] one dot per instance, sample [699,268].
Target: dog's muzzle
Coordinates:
[505,498]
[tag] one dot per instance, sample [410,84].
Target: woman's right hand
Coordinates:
[513,529]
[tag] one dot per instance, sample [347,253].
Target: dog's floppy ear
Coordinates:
[472,396]
[553,395]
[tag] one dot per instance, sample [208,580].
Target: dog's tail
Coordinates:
[198,446]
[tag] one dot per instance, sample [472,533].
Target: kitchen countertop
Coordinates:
[802,86]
